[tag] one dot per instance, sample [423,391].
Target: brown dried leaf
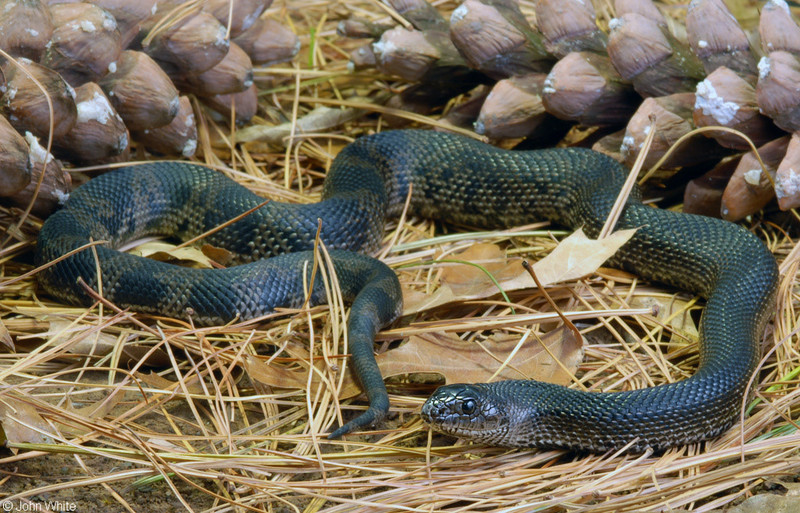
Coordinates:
[88,341]
[5,337]
[94,410]
[19,422]
[135,352]
[468,280]
[278,376]
[166,445]
[453,358]
[416,301]
[219,255]
[91,341]
[461,361]
[672,312]
[165,252]
[576,256]
[154,380]
[460,282]
[318,120]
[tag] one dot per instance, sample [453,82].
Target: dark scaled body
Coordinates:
[454,179]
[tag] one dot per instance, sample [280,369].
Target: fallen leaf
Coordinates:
[219,255]
[672,312]
[20,422]
[135,352]
[280,376]
[472,279]
[90,341]
[453,358]
[416,301]
[574,257]
[461,361]
[318,120]
[577,255]
[165,445]
[165,252]
[276,375]
[153,380]
[459,282]
[5,337]
[92,410]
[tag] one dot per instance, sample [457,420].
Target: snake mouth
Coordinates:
[434,412]
[461,410]
[438,415]
[426,413]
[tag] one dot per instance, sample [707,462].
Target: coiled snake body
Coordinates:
[461,181]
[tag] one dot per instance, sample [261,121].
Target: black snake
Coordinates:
[454,179]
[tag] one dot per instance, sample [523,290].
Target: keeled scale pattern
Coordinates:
[454,179]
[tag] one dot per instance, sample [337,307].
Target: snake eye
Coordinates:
[468,406]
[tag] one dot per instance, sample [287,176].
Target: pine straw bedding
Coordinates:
[199,428]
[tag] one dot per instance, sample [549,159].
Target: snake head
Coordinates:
[467,411]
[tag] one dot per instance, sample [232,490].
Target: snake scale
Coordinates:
[454,179]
